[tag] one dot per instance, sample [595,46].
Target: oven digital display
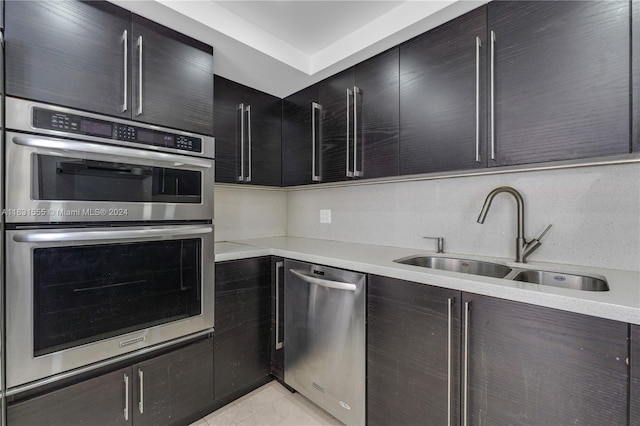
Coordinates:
[97,128]
[154,138]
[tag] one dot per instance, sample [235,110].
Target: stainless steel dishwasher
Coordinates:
[324,334]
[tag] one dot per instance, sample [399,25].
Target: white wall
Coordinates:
[595,212]
[246,212]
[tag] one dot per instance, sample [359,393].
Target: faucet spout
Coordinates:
[523,248]
[519,203]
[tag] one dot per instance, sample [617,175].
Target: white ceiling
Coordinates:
[309,26]
[282,46]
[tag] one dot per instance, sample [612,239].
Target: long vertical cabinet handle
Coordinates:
[493,95]
[125,40]
[478,46]
[279,267]
[139,76]
[356,172]
[126,396]
[465,408]
[315,175]
[141,402]
[249,165]
[241,147]
[449,354]
[349,172]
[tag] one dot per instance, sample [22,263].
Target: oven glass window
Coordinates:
[83,294]
[73,179]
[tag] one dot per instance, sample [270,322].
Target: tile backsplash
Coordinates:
[595,212]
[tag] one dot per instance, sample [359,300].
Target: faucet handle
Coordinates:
[440,243]
[544,232]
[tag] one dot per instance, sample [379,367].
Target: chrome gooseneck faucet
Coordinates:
[523,247]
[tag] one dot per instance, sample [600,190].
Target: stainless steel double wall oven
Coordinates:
[109,238]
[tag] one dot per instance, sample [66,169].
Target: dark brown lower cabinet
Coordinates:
[242,321]
[174,388]
[277,318]
[529,365]
[413,353]
[635,376]
[511,363]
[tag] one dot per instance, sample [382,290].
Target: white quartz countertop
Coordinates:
[620,303]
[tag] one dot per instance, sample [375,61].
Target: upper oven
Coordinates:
[69,166]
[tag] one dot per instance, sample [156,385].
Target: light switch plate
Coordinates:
[325,216]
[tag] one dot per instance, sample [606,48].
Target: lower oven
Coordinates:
[80,295]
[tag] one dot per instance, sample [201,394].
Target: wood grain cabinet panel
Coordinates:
[635,73]
[98,401]
[529,365]
[635,376]
[561,80]
[173,387]
[443,97]
[277,318]
[261,117]
[87,55]
[242,319]
[297,137]
[177,78]
[378,116]
[413,353]
[69,53]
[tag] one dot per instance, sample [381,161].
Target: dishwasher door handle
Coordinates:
[338,285]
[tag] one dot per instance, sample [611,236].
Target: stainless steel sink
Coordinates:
[454,264]
[558,279]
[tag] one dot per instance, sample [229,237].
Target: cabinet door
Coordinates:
[378,115]
[413,352]
[242,319]
[177,78]
[264,127]
[333,98]
[69,53]
[529,365]
[635,57]
[173,388]
[561,80]
[103,400]
[277,318]
[300,122]
[228,116]
[635,376]
[442,97]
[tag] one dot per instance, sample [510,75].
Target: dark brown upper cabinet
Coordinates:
[172,78]
[98,57]
[301,136]
[248,127]
[360,122]
[443,97]
[558,80]
[344,127]
[635,73]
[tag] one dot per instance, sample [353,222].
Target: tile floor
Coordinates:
[269,405]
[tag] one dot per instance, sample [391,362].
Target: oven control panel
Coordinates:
[77,124]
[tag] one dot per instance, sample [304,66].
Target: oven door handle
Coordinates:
[109,152]
[141,233]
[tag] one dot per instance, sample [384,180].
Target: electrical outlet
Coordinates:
[325,216]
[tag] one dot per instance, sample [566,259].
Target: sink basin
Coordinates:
[454,264]
[558,279]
